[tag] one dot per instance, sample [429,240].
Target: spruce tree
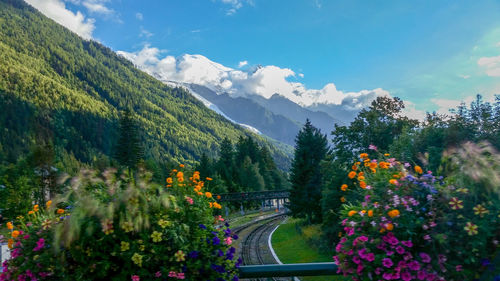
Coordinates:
[311,147]
[129,151]
[225,164]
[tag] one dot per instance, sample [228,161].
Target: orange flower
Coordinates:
[15,233]
[210,204]
[36,208]
[31,213]
[384,165]
[200,193]
[393,181]
[10,243]
[351,213]
[360,178]
[363,211]
[169,180]
[370,213]
[218,197]
[373,165]
[418,169]
[362,184]
[342,199]
[48,204]
[60,211]
[387,154]
[361,174]
[389,226]
[181,165]
[208,194]
[396,176]
[10,225]
[351,174]
[209,179]
[373,170]
[393,213]
[343,187]
[354,167]
[363,155]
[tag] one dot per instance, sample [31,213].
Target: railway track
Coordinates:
[254,247]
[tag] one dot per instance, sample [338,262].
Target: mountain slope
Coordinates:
[69,91]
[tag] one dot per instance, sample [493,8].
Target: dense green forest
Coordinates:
[62,99]
[383,128]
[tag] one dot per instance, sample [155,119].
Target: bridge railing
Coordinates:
[288,270]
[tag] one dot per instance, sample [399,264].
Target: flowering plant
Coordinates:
[117,228]
[403,224]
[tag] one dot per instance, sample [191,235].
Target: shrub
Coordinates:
[401,223]
[112,227]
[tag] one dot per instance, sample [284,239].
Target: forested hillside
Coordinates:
[60,89]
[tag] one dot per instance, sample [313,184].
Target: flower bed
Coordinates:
[116,228]
[401,223]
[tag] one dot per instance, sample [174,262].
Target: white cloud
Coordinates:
[235,5]
[145,33]
[97,6]
[301,75]
[464,76]
[242,63]
[56,10]
[412,112]
[491,65]
[139,16]
[263,80]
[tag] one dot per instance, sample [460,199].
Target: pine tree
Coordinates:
[225,164]
[129,151]
[311,147]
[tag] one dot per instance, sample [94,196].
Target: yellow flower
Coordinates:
[164,223]
[471,228]
[387,154]
[124,246]
[456,204]
[463,190]
[156,236]
[48,204]
[352,174]
[343,187]
[127,226]
[351,213]
[360,178]
[137,259]
[180,256]
[169,180]
[480,210]
[418,169]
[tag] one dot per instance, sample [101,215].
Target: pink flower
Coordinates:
[136,278]
[408,243]
[158,274]
[363,238]
[425,257]
[189,200]
[39,245]
[387,262]
[400,250]
[370,257]
[180,275]
[356,260]
[414,265]
[378,270]
[172,274]
[26,237]
[228,240]
[458,268]
[372,147]
[387,276]
[359,269]
[421,275]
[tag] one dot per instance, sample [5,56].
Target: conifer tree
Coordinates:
[225,164]
[129,151]
[311,147]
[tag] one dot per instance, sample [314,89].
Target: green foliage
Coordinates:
[306,176]
[61,89]
[112,227]
[128,150]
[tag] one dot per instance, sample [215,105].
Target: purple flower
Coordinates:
[216,240]
[408,243]
[406,276]
[387,262]
[202,226]
[421,275]
[400,250]
[414,265]
[356,260]
[387,276]
[425,257]
[39,245]
[370,257]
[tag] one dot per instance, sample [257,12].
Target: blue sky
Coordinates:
[430,53]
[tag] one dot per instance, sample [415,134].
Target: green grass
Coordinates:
[292,247]
[236,219]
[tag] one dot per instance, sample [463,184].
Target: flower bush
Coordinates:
[113,227]
[401,223]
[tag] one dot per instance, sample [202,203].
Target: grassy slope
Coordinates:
[291,247]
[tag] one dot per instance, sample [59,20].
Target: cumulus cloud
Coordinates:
[56,10]
[491,65]
[139,16]
[265,81]
[242,63]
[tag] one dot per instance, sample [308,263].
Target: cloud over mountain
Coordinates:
[262,80]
